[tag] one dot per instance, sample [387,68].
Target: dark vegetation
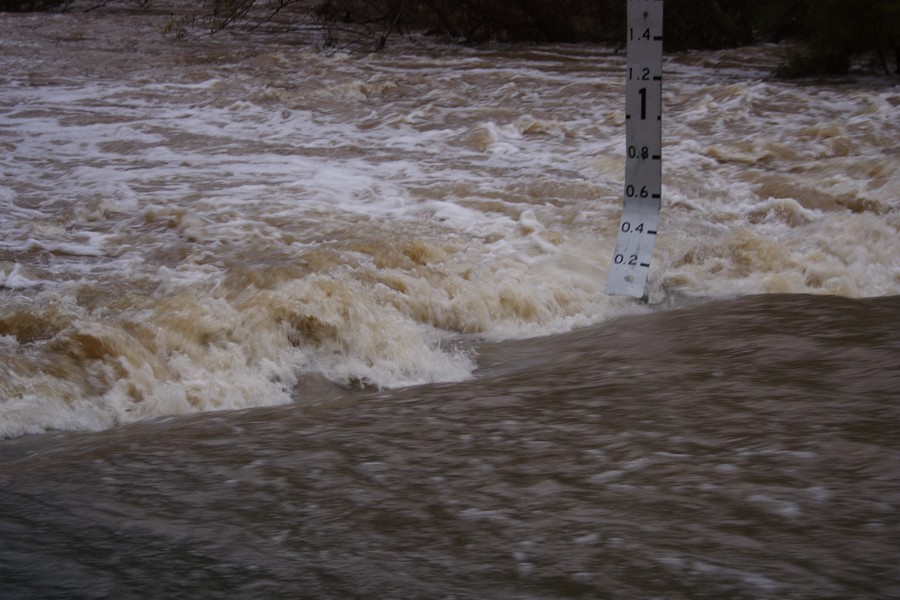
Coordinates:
[835,36]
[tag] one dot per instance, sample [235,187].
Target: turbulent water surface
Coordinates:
[393,265]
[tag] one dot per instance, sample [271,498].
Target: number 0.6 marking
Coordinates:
[631,192]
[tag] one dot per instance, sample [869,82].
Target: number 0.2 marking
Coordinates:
[620,259]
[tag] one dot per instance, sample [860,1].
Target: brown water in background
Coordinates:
[394,264]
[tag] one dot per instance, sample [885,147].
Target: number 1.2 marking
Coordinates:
[644,76]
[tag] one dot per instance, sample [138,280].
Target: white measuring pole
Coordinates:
[643,148]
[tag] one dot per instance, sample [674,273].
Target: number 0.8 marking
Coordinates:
[643,153]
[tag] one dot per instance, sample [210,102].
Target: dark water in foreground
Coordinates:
[737,449]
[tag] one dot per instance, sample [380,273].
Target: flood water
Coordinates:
[279,323]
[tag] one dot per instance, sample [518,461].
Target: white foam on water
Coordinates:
[16,279]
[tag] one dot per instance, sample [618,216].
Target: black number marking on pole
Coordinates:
[643,35]
[644,74]
[628,228]
[643,93]
[643,153]
[619,259]
[633,192]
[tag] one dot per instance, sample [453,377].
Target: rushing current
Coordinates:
[284,323]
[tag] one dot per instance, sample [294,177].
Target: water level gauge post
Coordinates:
[636,235]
